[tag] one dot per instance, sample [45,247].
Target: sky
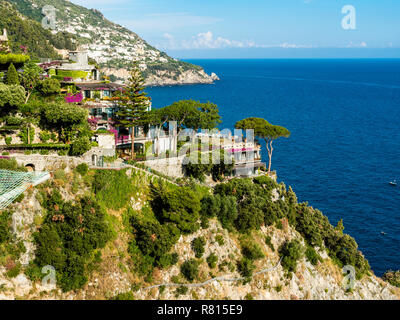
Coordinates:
[261,28]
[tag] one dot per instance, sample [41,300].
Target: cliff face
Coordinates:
[113,46]
[115,274]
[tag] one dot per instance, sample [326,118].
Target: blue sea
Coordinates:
[344,150]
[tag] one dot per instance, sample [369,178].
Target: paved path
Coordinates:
[221,278]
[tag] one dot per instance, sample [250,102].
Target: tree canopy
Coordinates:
[189,114]
[134,104]
[264,130]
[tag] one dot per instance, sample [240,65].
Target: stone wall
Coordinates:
[169,166]
[47,163]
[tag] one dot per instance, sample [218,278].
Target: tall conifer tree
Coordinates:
[12,76]
[134,104]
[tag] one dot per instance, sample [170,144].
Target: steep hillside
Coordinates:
[113,46]
[127,242]
[38,41]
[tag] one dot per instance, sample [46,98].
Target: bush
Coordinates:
[268,242]
[180,206]
[80,146]
[312,256]
[11,164]
[246,267]
[8,140]
[393,277]
[5,226]
[50,87]
[190,269]
[82,169]
[44,136]
[155,240]
[124,296]
[182,290]
[252,251]
[212,260]
[290,252]
[68,238]
[220,240]
[168,260]
[198,246]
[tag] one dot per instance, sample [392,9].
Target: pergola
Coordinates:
[14,183]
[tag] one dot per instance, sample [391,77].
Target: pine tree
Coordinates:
[134,104]
[12,76]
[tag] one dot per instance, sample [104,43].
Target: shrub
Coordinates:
[68,238]
[312,256]
[212,260]
[11,164]
[5,226]
[44,136]
[220,240]
[248,297]
[246,267]
[182,290]
[268,242]
[124,296]
[8,140]
[155,240]
[252,251]
[50,87]
[80,146]
[290,252]
[190,269]
[12,75]
[168,260]
[393,277]
[180,206]
[198,246]
[82,169]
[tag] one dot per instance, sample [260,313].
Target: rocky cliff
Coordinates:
[116,273]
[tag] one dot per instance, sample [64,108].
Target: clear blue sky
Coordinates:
[259,28]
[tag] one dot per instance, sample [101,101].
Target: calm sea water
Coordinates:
[344,116]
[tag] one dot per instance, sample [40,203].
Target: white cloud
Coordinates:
[363,44]
[207,40]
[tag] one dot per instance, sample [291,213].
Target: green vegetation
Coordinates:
[198,246]
[264,130]
[25,32]
[113,189]
[290,253]
[312,255]
[68,239]
[190,269]
[194,167]
[251,250]
[133,108]
[212,260]
[393,277]
[82,169]
[12,76]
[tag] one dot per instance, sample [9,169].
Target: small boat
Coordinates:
[383,233]
[393,183]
